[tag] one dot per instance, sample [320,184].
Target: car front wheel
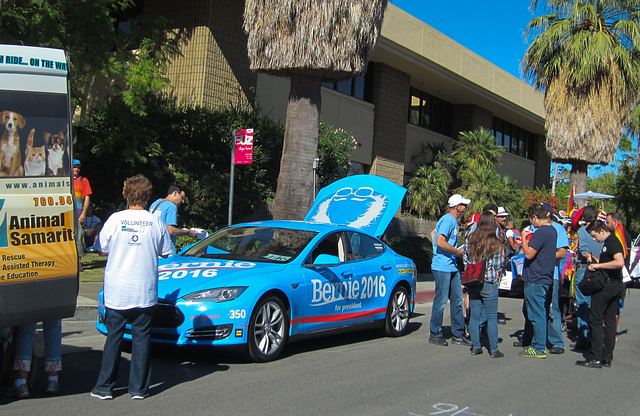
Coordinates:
[398,311]
[268,330]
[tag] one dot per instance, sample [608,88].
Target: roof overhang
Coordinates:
[442,67]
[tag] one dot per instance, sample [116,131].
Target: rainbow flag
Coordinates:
[575,215]
[570,202]
[567,264]
[620,235]
[602,215]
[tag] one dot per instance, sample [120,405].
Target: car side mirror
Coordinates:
[326,259]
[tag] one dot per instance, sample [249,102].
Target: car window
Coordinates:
[361,246]
[332,245]
[267,244]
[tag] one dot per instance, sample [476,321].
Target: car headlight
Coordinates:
[222,294]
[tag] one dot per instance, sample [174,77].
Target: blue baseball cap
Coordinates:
[76,162]
[547,206]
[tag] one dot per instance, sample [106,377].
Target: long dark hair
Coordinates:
[483,242]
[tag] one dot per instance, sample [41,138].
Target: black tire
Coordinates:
[396,323]
[268,330]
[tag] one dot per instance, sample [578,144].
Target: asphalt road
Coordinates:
[355,374]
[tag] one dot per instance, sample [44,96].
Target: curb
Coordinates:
[425,296]
[84,313]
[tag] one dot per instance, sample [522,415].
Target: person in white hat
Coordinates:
[447,276]
[501,224]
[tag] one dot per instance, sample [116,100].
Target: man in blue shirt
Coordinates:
[554,327]
[446,274]
[540,254]
[167,209]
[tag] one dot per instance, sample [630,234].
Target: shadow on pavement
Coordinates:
[170,366]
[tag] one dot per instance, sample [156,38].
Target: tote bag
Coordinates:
[473,275]
[592,282]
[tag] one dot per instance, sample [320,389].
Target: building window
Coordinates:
[128,25]
[430,112]
[359,87]
[514,139]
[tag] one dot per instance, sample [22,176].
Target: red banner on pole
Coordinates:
[243,139]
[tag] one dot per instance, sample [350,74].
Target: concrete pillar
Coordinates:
[391,100]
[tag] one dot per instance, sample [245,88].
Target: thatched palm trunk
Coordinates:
[294,195]
[578,179]
[308,41]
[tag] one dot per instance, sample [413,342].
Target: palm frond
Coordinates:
[585,57]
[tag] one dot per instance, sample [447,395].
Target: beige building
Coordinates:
[421,87]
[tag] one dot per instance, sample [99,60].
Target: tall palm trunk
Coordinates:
[295,192]
[555,180]
[578,179]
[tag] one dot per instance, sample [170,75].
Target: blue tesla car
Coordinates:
[258,284]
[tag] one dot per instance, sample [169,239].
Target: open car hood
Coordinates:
[367,202]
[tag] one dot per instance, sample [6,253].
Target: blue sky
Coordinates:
[494,29]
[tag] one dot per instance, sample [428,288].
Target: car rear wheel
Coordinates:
[268,330]
[398,311]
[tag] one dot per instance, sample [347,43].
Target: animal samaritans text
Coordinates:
[25,231]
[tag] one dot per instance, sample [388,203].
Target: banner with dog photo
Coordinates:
[37,219]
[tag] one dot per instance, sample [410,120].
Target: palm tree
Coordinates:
[475,150]
[429,190]
[585,57]
[308,41]
[633,124]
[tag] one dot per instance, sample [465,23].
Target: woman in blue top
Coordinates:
[483,244]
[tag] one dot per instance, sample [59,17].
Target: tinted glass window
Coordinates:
[332,245]
[344,86]
[362,246]
[430,112]
[516,140]
[255,244]
[358,88]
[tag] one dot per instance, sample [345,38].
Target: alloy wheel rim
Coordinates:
[269,328]
[400,311]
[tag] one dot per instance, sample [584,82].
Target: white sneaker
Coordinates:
[52,387]
[21,392]
[101,396]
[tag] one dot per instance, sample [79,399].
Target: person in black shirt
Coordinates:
[604,304]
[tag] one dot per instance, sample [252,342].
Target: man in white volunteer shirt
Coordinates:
[133,239]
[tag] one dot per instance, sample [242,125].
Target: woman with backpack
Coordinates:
[484,245]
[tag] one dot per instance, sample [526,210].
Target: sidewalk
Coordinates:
[88,296]
[426,288]
[87,303]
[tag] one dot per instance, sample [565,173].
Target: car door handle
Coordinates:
[386,267]
[347,275]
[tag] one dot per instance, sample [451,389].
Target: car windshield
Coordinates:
[255,244]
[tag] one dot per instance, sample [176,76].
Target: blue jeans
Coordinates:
[140,366]
[554,326]
[583,303]
[448,287]
[52,332]
[483,301]
[536,304]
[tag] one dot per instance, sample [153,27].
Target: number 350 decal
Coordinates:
[237,314]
